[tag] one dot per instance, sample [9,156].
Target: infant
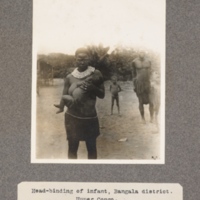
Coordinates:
[77,93]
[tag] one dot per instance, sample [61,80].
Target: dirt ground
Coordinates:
[140,141]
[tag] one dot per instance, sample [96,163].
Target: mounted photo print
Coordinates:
[98,81]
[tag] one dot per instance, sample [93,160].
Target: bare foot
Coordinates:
[57,105]
[59,111]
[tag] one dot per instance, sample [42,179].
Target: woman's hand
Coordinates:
[97,91]
[88,86]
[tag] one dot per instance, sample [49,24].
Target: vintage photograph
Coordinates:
[98,81]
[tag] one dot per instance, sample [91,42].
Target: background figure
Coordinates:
[154,96]
[115,89]
[141,81]
[81,121]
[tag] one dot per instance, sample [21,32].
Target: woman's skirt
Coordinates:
[81,128]
[142,89]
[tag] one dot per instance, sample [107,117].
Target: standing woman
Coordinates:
[81,121]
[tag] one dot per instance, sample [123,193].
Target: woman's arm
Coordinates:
[100,91]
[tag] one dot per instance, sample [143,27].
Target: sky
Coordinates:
[62,26]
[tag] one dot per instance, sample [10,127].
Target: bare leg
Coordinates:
[111,110]
[72,148]
[156,113]
[151,110]
[118,110]
[141,108]
[66,100]
[117,101]
[112,104]
[91,148]
[156,118]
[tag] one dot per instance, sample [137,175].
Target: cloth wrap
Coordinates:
[81,128]
[142,89]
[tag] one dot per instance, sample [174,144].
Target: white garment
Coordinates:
[83,74]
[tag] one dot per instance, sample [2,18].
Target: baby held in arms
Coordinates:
[78,92]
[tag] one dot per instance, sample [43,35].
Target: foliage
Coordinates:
[118,63]
[99,58]
[62,64]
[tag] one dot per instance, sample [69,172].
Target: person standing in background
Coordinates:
[115,89]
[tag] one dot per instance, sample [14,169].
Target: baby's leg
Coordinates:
[60,106]
[112,104]
[68,100]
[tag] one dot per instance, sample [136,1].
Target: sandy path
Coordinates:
[143,140]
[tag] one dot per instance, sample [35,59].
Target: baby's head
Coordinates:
[95,79]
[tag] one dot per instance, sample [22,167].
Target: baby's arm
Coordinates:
[65,92]
[79,84]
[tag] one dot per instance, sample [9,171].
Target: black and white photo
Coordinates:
[98,89]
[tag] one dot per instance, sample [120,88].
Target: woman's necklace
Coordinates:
[83,74]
